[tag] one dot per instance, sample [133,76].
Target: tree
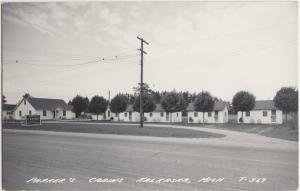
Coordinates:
[79,104]
[156,97]
[118,104]
[286,99]
[146,89]
[148,104]
[243,101]
[204,102]
[3,99]
[173,102]
[98,105]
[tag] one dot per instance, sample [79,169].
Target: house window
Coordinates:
[161,114]
[265,113]
[20,113]
[195,114]
[247,113]
[209,114]
[177,114]
[125,114]
[64,112]
[108,113]
[273,112]
[150,114]
[44,113]
[24,102]
[216,113]
[29,112]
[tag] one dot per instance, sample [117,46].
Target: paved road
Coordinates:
[28,154]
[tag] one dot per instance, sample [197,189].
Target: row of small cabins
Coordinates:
[264,112]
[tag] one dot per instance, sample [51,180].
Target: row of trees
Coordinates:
[285,99]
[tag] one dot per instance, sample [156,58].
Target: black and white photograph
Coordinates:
[149,95]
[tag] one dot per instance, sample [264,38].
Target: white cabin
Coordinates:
[158,115]
[219,114]
[264,112]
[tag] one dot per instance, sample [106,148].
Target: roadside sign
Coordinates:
[32,120]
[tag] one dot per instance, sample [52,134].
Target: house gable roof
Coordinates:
[48,104]
[158,108]
[264,105]
[8,107]
[219,106]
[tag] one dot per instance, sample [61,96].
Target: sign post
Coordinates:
[32,120]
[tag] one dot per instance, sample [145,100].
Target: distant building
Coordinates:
[219,114]
[45,107]
[129,115]
[263,112]
[158,115]
[7,111]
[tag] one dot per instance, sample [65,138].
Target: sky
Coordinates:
[59,50]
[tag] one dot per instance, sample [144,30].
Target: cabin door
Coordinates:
[130,116]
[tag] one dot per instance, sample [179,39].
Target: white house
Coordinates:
[7,111]
[129,115]
[44,107]
[158,115]
[218,115]
[263,112]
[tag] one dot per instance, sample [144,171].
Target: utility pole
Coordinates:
[142,83]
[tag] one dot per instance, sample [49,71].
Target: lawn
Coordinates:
[287,131]
[116,129]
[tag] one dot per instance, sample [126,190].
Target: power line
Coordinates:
[99,60]
[37,83]
[213,37]
[59,55]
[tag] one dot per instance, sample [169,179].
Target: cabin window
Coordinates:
[273,112]
[216,113]
[64,112]
[161,114]
[125,114]
[20,113]
[29,112]
[44,113]
[150,114]
[195,114]
[247,113]
[209,114]
[265,113]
